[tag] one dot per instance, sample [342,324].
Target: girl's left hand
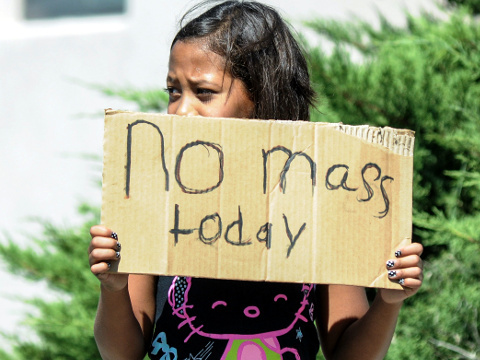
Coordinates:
[407,270]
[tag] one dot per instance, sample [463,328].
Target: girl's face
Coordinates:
[198,85]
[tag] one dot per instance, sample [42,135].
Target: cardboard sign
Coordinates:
[289,201]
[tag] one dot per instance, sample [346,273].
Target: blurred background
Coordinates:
[57,58]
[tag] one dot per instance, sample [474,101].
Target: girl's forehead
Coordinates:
[195,52]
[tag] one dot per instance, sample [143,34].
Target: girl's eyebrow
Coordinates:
[202,82]
[171,79]
[197,82]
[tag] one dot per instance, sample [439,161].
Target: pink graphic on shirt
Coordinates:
[251,351]
[246,345]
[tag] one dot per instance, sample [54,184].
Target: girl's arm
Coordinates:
[126,309]
[349,328]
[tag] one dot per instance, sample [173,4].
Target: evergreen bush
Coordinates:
[424,77]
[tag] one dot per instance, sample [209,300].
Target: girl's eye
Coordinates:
[173,93]
[170,90]
[205,95]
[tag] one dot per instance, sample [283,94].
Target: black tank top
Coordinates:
[220,319]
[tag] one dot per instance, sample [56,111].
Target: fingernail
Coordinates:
[109,265]
[390,264]
[398,253]
[401,282]
[392,273]
[114,236]
[117,254]
[119,246]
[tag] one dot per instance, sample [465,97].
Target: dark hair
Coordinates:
[260,50]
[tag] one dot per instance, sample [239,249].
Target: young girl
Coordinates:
[239,59]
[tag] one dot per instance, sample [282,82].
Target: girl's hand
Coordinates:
[407,270]
[103,251]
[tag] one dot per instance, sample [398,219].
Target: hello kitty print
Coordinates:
[220,319]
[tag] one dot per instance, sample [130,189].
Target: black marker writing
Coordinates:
[343,182]
[385,197]
[129,154]
[293,240]
[210,240]
[176,230]
[238,223]
[367,186]
[178,163]
[267,238]
[286,167]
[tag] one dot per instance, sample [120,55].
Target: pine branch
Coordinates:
[454,348]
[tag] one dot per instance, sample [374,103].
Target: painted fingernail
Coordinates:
[114,236]
[109,265]
[392,273]
[119,246]
[401,282]
[390,264]
[117,254]
[398,253]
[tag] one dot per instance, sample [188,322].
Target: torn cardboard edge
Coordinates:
[246,228]
[399,141]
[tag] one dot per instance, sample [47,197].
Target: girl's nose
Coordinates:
[186,107]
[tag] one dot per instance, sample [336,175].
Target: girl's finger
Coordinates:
[100,268]
[410,273]
[104,243]
[405,262]
[100,230]
[101,255]
[409,284]
[411,249]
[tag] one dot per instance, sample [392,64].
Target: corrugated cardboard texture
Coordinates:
[257,200]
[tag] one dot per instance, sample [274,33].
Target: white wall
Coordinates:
[48,120]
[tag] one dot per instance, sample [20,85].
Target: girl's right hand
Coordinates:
[103,251]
